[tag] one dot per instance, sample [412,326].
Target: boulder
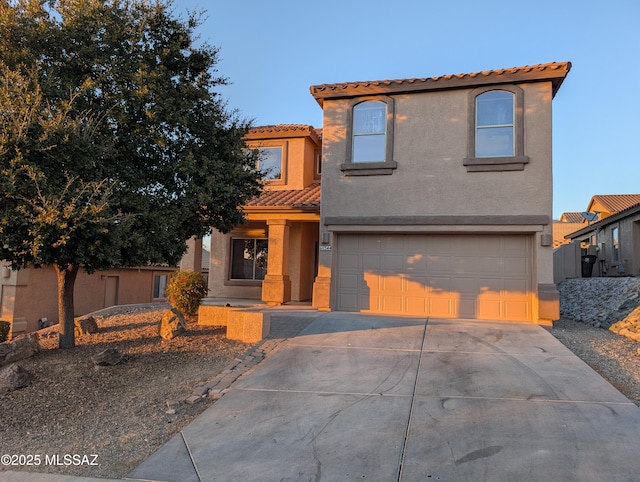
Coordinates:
[108,357]
[13,377]
[172,324]
[85,326]
[23,346]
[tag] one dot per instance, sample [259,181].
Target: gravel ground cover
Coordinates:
[121,413]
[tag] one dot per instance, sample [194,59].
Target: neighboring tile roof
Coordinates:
[615,217]
[614,203]
[554,71]
[283,131]
[571,218]
[300,198]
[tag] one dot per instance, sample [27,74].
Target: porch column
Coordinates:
[276,286]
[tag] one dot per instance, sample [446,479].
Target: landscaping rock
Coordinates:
[609,303]
[85,326]
[172,324]
[23,346]
[14,377]
[108,357]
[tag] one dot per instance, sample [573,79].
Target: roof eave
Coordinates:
[554,72]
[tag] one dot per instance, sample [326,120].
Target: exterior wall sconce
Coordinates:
[6,272]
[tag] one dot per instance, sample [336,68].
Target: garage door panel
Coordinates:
[392,262]
[439,284]
[392,283]
[516,286]
[495,285]
[517,310]
[371,261]
[516,245]
[417,285]
[348,281]
[516,266]
[469,276]
[441,306]
[439,264]
[391,304]
[489,309]
[416,263]
[348,262]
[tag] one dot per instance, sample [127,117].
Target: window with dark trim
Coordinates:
[496,129]
[159,285]
[248,259]
[370,137]
[615,244]
[270,163]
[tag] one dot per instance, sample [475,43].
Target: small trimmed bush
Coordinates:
[185,290]
[5,327]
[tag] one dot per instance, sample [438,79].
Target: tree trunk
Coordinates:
[66,281]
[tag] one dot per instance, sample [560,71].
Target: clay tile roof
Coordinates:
[308,197]
[571,217]
[614,203]
[554,71]
[283,131]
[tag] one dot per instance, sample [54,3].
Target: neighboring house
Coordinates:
[614,239]
[567,224]
[605,205]
[273,256]
[28,297]
[436,195]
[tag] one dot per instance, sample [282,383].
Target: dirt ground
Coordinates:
[119,413]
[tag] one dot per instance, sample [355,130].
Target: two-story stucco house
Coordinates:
[436,201]
[437,195]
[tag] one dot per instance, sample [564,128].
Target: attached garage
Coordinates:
[447,276]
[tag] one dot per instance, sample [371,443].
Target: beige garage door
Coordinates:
[453,276]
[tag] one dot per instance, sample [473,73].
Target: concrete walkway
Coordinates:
[362,397]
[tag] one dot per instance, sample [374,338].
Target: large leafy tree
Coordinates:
[115,147]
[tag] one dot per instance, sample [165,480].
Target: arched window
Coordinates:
[495,127]
[370,137]
[369,132]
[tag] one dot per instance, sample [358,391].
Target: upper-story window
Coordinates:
[369,132]
[495,124]
[270,163]
[496,129]
[370,139]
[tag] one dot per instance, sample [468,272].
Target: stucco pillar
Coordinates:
[276,286]
[322,284]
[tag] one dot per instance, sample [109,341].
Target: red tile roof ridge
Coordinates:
[282,127]
[511,70]
[616,202]
[309,197]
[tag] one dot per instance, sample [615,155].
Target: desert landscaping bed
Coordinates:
[120,413]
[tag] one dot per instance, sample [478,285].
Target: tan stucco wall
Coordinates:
[429,145]
[303,237]
[299,156]
[30,294]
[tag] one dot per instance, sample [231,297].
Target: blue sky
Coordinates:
[272,51]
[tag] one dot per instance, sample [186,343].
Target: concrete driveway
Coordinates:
[363,397]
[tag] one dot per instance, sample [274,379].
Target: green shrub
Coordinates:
[5,327]
[185,290]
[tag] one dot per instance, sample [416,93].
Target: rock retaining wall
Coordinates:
[610,303]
